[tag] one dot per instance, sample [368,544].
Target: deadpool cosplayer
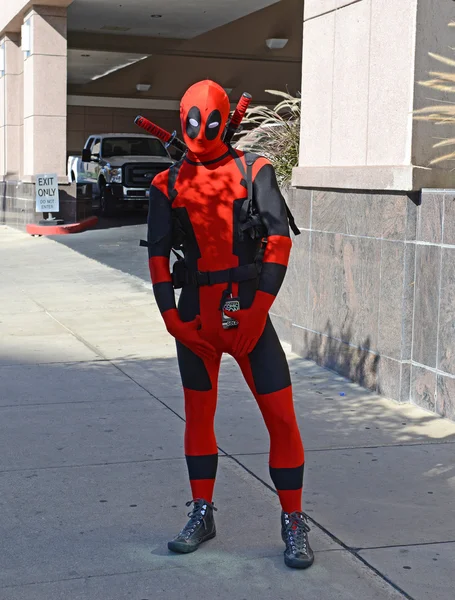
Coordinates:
[224,209]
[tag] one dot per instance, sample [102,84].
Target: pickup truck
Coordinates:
[120,167]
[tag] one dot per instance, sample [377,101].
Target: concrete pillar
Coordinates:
[361,62]
[11,108]
[45,82]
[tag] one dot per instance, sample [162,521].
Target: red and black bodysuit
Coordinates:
[202,198]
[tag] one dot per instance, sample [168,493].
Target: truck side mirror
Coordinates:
[86,155]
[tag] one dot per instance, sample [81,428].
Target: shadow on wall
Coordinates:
[356,362]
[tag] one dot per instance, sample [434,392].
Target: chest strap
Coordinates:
[182,276]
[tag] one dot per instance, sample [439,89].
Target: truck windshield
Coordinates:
[133,146]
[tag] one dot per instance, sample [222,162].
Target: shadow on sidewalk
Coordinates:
[94,475]
[123,219]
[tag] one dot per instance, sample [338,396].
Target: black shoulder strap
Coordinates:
[173,174]
[292,224]
[246,212]
[238,160]
[250,159]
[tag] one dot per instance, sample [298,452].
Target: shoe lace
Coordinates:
[196,516]
[297,530]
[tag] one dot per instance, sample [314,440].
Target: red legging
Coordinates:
[264,369]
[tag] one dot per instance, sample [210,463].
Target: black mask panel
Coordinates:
[193,122]
[212,128]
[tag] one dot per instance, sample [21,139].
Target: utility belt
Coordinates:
[182,276]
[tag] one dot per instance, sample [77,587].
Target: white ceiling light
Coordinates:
[276,43]
[143,87]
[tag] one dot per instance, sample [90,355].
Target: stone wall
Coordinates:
[370,291]
[17,204]
[433,350]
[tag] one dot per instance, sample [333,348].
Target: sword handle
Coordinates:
[161,134]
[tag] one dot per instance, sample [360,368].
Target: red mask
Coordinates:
[204,111]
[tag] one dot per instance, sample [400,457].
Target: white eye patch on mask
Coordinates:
[194,123]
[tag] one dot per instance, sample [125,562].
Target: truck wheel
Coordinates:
[107,206]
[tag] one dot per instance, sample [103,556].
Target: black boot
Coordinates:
[200,528]
[294,531]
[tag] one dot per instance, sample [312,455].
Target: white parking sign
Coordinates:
[47,198]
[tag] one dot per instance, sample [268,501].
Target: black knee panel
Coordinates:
[192,370]
[268,363]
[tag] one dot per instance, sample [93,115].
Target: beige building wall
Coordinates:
[45,83]
[11,108]
[13,11]
[84,121]
[170,76]
[360,65]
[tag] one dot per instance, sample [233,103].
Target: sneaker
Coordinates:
[200,528]
[294,531]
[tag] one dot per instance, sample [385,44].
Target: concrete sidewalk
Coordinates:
[93,481]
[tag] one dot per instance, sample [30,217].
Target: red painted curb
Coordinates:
[33,229]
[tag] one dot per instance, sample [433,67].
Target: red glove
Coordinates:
[252,323]
[188,334]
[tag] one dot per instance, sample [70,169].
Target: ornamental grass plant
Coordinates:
[442,112]
[275,134]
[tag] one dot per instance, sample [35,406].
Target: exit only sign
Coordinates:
[47,196]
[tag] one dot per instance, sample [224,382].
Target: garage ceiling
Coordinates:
[183,19]
[85,66]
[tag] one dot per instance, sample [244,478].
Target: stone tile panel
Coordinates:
[426,305]
[391,299]
[429,227]
[423,387]
[446,342]
[445,398]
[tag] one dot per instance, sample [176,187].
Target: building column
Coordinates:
[11,108]
[361,64]
[45,92]
[365,273]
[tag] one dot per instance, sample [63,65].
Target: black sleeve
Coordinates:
[270,202]
[159,222]
[272,209]
[159,238]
